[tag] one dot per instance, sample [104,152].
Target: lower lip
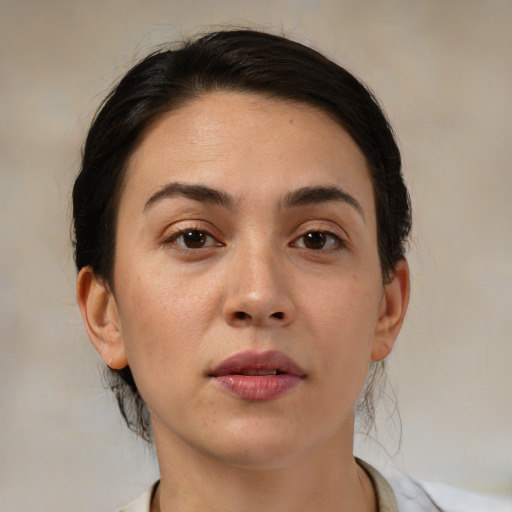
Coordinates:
[258,387]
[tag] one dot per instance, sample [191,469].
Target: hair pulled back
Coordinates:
[233,60]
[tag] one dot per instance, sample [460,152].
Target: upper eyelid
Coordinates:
[324,226]
[182,226]
[183,231]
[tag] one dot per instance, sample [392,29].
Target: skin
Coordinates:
[176,311]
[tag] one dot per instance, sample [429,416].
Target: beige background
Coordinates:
[443,72]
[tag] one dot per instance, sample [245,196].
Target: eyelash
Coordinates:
[172,239]
[328,237]
[323,237]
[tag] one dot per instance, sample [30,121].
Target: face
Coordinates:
[248,297]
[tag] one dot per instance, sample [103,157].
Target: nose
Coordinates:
[258,291]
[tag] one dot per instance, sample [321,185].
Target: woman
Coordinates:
[240,221]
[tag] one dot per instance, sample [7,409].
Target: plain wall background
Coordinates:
[443,72]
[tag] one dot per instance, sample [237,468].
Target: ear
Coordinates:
[99,312]
[394,306]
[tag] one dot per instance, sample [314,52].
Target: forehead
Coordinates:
[244,142]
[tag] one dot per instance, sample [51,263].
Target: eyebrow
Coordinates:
[199,193]
[321,194]
[300,197]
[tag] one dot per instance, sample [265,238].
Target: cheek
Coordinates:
[164,321]
[342,315]
[343,303]
[164,317]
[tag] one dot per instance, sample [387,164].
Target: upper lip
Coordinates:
[252,361]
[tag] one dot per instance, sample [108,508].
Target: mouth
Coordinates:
[257,376]
[253,373]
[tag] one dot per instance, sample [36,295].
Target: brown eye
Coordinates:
[318,240]
[315,240]
[194,239]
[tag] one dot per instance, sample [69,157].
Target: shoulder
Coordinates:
[397,492]
[419,496]
[142,503]
[452,499]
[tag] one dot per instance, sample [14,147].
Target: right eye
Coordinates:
[194,239]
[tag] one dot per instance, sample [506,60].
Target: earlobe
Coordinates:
[99,312]
[394,307]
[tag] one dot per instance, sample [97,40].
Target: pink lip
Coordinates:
[245,376]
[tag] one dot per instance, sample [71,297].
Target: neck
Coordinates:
[325,480]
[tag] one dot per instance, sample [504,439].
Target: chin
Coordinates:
[263,456]
[265,445]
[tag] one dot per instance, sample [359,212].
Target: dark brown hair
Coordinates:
[236,60]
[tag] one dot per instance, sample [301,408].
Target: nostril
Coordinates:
[242,315]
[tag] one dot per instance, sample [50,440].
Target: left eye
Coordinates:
[194,239]
[318,240]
